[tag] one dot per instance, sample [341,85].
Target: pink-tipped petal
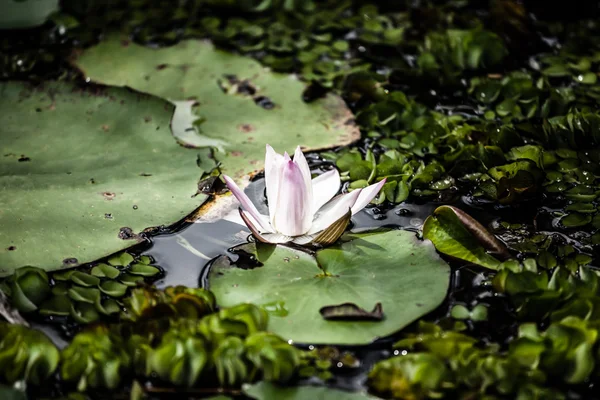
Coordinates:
[261,220]
[293,211]
[325,186]
[273,164]
[366,195]
[333,211]
[300,161]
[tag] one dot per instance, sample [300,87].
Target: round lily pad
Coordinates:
[267,390]
[84,170]
[380,281]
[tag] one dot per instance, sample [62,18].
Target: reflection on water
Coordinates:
[184,254]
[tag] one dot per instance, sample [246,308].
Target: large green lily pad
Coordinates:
[82,169]
[393,268]
[269,391]
[231,117]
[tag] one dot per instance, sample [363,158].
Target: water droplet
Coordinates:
[416,222]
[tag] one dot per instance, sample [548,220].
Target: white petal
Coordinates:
[276,238]
[261,220]
[273,164]
[333,211]
[300,161]
[366,195]
[293,211]
[304,239]
[324,187]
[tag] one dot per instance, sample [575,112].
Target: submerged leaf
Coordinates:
[351,312]
[458,235]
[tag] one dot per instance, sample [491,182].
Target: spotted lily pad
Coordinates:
[393,268]
[241,105]
[83,170]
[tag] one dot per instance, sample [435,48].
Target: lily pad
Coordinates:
[241,105]
[267,390]
[19,14]
[83,170]
[393,268]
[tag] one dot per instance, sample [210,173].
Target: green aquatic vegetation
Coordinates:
[167,338]
[570,288]
[26,355]
[94,359]
[85,294]
[146,303]
[450,53]
[443,363]
[27,288]
[320,361]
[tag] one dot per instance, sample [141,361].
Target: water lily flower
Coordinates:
[301,210]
